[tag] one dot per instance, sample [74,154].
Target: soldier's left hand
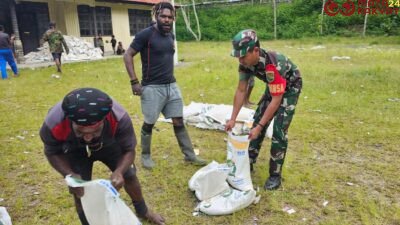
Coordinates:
[117,180]
[254,133]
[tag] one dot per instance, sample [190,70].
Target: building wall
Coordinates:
[65,14]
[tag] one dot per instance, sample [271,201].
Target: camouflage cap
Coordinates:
[243,41]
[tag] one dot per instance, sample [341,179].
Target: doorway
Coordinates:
[5,18]
[33,20]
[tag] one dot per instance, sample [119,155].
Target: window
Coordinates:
[103,18]
[94,20]
[138,20]
[86,24]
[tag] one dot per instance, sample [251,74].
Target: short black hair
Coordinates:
[1,28]
[163,5]
[52,24]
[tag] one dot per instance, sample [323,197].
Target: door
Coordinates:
[28,32]
[33,19]
[5,18]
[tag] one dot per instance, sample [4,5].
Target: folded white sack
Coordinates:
[101,203]
[210,180]
[228,202]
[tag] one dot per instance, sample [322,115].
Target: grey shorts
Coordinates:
[161,98]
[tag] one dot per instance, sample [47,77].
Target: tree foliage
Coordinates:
[297,19]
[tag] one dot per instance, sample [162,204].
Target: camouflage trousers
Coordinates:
[282,120]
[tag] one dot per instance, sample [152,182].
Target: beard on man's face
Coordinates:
[164,27]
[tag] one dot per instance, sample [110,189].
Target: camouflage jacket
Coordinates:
[279,73]
[55,40]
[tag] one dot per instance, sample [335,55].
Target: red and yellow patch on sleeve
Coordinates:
[277,85]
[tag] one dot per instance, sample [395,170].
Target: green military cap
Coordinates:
[243,41]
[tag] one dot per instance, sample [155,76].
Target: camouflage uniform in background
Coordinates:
[56,41]
[285,112]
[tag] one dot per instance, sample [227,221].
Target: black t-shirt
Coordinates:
[157,55]
[113,42]
[4,41]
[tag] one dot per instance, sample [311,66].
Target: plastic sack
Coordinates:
[101,203]
[5,219]
[270,129]
[228,202]
[238,160]
[210,180]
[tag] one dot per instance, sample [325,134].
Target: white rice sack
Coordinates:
[210,180]
[238,160]
[227,202]
[222,113]
[5,218]
[101,203]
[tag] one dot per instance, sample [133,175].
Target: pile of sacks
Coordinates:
[214,117]
[78,50]
[226,188]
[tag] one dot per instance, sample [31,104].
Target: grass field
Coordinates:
[344,142]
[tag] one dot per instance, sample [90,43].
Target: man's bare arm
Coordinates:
[128,60]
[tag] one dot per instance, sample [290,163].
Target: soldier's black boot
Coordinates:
[252,162]
[273,182]
[275,169]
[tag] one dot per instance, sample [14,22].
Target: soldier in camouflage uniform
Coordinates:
[283,87]
[56,42]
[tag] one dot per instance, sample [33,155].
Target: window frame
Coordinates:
[94,20]
[138,20]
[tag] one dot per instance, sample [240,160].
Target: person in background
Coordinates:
[158,90]
[6,54]
[56,43]
[113,43]
[100,44]
[12,42]
[120,49]
[283,87]
[88,126]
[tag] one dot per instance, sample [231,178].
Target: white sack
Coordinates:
[222,113]
[228,202]
[212,116]
[101,203]
[5,219]
[210,180]
[270,129]
[238,160]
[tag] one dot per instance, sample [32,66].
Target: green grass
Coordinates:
[345,130]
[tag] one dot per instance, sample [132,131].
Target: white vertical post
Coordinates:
[274,4]
[365,20]
[175,42]
[322,18]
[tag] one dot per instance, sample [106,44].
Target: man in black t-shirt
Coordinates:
[158,90]
[113,43]
[6,54]
[89,126]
